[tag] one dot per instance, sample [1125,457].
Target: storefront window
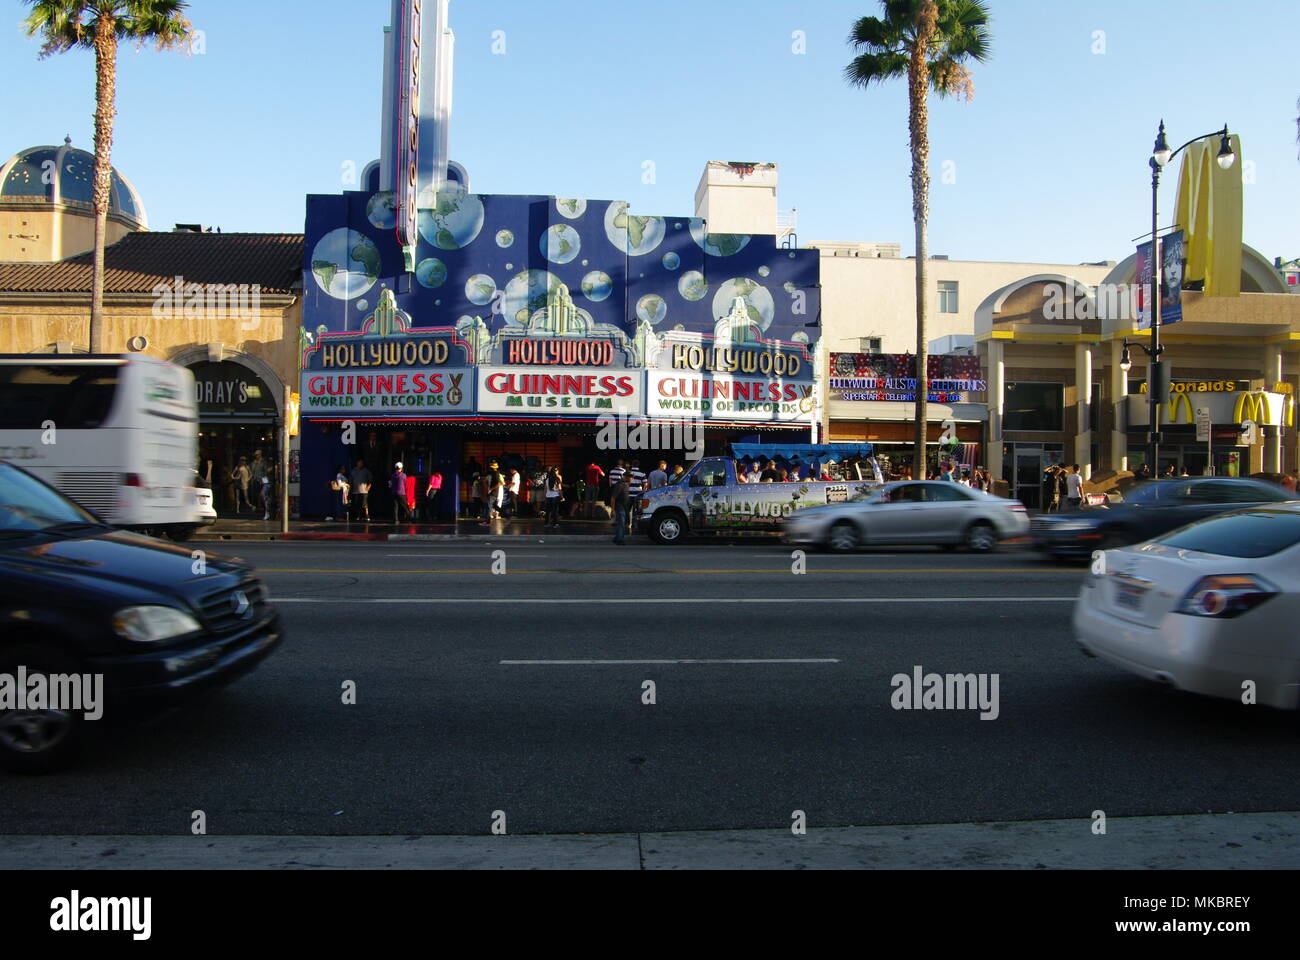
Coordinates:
[1034,406]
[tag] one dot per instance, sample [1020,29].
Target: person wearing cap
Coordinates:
[397,487]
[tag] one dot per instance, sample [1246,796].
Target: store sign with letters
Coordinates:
[388,393]
[729,398]
[559,391]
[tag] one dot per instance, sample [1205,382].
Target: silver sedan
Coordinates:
[935,512]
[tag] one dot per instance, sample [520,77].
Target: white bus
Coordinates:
[117,434]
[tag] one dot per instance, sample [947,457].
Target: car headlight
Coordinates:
[150,624]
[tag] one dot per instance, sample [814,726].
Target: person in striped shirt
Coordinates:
[635,487]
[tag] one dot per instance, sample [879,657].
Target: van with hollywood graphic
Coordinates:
[709,499]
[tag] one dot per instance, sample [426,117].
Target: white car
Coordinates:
[1207,608]
[937,512]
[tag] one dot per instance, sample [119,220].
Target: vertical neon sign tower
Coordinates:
[417,113]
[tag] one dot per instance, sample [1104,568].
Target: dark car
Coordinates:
[145,624]
[1148,509]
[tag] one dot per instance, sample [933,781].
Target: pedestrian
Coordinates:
[659,475]
[432,495]
[476,493]
[242,476]
[755,473]
[592,477]
[616,472]
[676,476]
[397,487]
[636,486]
[1143,472]
[553,487]
[361,482]
[264,494]
[343,490]
[769,473]
[619,498]
[1051,490]
[1074,487]
[741,475]
[493,489]
[512,493]
[410,497]
[1289,482]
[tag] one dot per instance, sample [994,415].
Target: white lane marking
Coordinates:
[458,556]
[570,663]
[497,601]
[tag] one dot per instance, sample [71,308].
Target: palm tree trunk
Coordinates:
[918,88]
[105,109]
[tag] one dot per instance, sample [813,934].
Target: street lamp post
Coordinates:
[1160,157]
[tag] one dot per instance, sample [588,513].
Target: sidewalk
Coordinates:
[1240,841]
[466,530]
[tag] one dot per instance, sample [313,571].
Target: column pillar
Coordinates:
[1083,395]
[1274,439]
[1119,409]
[997,375]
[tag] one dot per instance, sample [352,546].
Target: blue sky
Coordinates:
[1048,161]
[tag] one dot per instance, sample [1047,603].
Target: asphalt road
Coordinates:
[522,692]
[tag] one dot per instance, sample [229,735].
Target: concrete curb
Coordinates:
[1241,841]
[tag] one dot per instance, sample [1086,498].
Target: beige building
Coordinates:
[227,306]
[1052,347]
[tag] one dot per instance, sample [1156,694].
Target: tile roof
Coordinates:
[140,261]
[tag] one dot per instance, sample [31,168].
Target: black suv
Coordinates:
[86,608]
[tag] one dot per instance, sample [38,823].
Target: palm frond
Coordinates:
[871,68]
[59,23]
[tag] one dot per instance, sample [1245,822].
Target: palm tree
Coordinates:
[100,25]
[928,42]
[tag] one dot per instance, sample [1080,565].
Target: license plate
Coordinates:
[1129,595]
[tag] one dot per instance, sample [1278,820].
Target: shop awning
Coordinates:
[804,451]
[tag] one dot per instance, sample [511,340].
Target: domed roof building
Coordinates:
[46,211]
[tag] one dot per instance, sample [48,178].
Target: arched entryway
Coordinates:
[240,401]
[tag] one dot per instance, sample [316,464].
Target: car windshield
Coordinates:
[27,505]
[1249,534]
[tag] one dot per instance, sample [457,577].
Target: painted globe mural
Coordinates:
[692,286]
[633,235]
[345,263]
[452,219]
[758,302]
[527,293]
[561,243]
[480,289]
[431,273]
[597,286]
[505,238]
[381,210]
[572,209]
[652,309]
[718,244]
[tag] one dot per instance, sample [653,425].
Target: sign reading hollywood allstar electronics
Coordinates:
[559,391]
[724,397]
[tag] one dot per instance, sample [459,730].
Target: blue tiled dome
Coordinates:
[65,174]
